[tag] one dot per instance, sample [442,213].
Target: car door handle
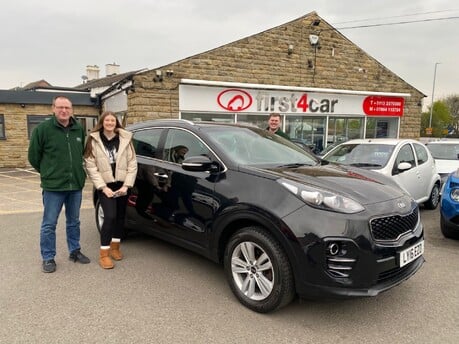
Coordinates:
[161,175]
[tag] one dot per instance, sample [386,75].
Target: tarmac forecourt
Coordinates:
[20,191]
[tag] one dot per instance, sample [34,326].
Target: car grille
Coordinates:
[391,228]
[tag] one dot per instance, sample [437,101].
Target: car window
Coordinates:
[258,147]
[405,154]
[421,153]
[146,142]
[446,151]
[181,144]
[371,155]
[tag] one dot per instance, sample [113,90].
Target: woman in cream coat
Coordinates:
[111,164]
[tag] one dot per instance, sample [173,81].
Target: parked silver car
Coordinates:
[406,161]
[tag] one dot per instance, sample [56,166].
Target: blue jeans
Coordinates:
[52,203]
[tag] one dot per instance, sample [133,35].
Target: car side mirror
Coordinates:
[403,166]
[199,163]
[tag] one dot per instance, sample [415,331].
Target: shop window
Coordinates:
[261,121]
[381,127]
[33,121]
[308,130]
[344,129]
[2,127]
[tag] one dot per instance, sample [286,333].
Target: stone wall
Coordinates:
[264,59]
[13,149]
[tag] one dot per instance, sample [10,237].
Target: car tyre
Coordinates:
[258,270]
[434,199]
[99,212]
[447,231]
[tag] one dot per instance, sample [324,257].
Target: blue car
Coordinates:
[449,208]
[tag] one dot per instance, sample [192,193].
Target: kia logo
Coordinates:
[234,99]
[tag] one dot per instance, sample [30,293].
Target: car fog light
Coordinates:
[333,248]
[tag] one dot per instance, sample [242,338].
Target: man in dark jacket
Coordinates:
[56,152]
[274,123]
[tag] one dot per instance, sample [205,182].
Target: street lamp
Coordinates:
[433,89]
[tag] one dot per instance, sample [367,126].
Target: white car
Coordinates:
[408,162]
[446,155]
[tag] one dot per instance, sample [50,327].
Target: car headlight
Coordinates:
[455,195]
[322,199]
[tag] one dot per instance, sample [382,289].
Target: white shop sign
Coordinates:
[198,98]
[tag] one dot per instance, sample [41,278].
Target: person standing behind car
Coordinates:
[56,152]
[274,123]
[111,164]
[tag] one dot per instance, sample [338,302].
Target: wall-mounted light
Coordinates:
[169,72]
[158,75]
[23,105]
[290,49]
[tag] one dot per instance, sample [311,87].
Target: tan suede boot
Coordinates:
[115,251]
[105,260]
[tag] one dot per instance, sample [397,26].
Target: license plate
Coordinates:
[411,253]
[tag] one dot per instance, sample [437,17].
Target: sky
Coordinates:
[55,40]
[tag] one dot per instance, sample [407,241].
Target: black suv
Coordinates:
[281,221]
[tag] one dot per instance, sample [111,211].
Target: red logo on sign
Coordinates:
[234,99]
[383,106]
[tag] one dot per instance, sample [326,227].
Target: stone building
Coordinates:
[326,87]
[21,111]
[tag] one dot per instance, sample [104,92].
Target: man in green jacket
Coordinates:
[274,124]
[56,152]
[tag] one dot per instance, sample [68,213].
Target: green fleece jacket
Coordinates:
[57,154]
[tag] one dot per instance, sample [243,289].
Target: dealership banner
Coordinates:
[250,100]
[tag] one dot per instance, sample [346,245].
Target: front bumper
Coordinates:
[353,261]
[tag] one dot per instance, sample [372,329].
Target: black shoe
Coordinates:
[48,265]
[79,257]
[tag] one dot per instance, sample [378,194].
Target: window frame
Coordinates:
[2,127]
[33,121]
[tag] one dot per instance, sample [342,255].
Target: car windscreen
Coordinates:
[361,155]
[444,151]
[253,146]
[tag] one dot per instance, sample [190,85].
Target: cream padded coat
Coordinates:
[98,165]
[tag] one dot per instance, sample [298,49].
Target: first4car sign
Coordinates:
[232,100]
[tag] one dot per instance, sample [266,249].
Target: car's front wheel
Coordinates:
[434,199]
[258,270]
